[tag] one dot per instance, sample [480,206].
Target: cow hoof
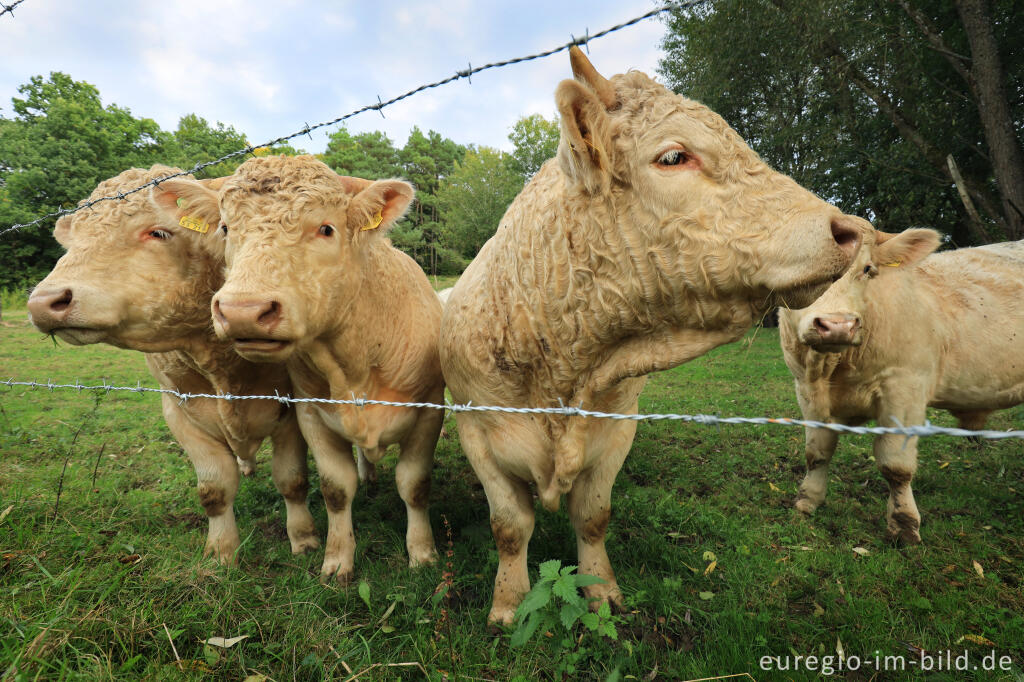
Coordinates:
[422,558]
[805,505]
[500,618]
[904,537]
[340,578]
[305,544]
[221,555]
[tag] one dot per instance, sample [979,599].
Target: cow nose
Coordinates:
[837,328]
[50,304]
[846,233]
[242,319]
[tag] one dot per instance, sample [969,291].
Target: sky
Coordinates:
[269,67]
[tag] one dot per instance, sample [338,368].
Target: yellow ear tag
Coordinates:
[894,264]
[374,223]
[194,224]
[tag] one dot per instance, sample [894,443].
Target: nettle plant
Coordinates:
[555,600]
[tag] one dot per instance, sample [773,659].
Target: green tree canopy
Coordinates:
[364,155]
[60,143]
[534,140]
[474,197]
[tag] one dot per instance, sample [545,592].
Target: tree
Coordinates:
[474,197]
[867,102]
[426,160]
[195,141]
[60,143]
[363,155]
[535,140]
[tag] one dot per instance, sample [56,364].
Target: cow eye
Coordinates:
[870,270]
[224,228]
[162,235]
[673,157]
[326,230]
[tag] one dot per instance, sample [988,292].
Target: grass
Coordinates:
[112,585]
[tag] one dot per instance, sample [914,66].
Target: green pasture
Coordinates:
[102,575]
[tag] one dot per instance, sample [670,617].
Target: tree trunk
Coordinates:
[994,111]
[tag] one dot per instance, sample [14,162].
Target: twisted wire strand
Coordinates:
[926,429]
[377,106]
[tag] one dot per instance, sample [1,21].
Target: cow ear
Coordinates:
[62,230]
[583,150]
[179,200]
[906,248]
[378,206]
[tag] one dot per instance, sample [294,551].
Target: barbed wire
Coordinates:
[10,7]
[378,106]
[926,429]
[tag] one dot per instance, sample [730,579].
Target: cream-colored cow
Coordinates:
[135,278]
[654,236]
[901,331]
[314,282]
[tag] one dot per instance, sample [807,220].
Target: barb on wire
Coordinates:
[926,429]
[9,8]
[377,106]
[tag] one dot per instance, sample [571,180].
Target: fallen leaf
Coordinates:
[258,677]
[861,551]
[818,610]
[710,568]
[709,556]
[978,569]
[225,643]
[977,639]
[839,648]
[5,512]
[706,595]
[130,559]
[948,569]
[777,580]
[774,487]
[944,465]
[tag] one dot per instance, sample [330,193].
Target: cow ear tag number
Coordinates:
[191,222]
[374,223]
[894,264]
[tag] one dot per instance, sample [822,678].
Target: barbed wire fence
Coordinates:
[926,429]
[379,106]
[9,9]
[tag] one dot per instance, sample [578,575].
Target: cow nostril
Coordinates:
[217,312]
[820,325]
[845,235]
[61,303]
[271,315]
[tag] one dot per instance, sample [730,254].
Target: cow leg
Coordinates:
[896,456]
[338,479]
[217,475]
[821,445]
[590,509]
[412,476]
[972,421]
[291,477]
[512,520]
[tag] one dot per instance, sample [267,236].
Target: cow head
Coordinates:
[716,215]
[842,316]
[298,238]
[132,276]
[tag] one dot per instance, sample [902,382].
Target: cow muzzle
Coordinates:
[833,332]
[253,326]
[55,310]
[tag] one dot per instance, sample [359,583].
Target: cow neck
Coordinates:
[225,371]
[588,295]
